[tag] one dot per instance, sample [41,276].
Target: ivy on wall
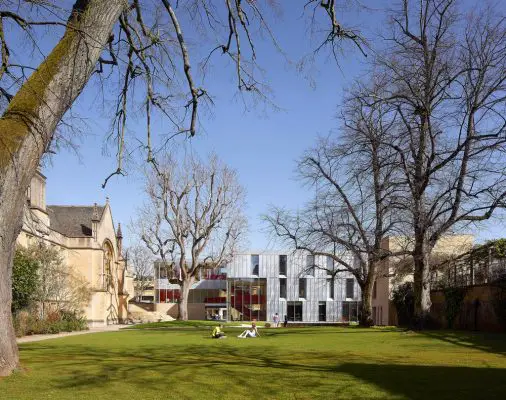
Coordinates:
[454,297]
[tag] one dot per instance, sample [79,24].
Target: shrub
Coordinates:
[56,322]
[22,321]
[453,303]
[267,325]
[25,279]
[404,301]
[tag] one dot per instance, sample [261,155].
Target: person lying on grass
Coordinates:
[218,332]
[252,332]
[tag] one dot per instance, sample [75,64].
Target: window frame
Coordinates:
[285,285]
[352,281]
[285,257]
[303,287]
[255,268]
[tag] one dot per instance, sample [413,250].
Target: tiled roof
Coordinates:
[72,221]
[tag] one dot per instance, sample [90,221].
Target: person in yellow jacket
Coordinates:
[218,332]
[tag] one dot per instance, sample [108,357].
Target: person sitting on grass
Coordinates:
[218,332]
[252,332]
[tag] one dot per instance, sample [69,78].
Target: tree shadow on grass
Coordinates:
[347,330]
[269,373]
[418,382]
[488,342]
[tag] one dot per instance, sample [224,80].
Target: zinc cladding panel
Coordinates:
[292,289]
[312,303]
[333,311]
[238,267]
[273,302]
[340,289]
[267,265]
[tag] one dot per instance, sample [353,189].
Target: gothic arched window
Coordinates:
[107,268]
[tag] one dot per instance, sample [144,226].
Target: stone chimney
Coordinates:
[119,239]
[95,219]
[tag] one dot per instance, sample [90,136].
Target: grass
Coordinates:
[304,363]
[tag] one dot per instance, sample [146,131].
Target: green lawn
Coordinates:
[303,363]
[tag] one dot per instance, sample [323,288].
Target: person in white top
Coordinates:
[275,319]
[252,332]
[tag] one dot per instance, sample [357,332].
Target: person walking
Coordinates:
[285,324]
[275,319]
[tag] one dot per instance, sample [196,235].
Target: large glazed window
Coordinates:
[247,299]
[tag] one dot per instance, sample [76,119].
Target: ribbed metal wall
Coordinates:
[316,286]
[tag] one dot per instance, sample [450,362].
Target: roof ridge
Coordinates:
[75,206]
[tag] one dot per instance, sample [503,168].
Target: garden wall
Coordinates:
[477,312]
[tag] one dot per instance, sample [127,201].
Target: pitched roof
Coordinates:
[72,221]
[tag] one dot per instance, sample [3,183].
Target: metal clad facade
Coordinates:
[317,284]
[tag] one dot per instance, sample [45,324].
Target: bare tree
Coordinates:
[193,219]
[447,81]
[140,262]
[128,45]
[355,204]
[60,286]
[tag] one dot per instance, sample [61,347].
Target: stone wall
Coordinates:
[478,310]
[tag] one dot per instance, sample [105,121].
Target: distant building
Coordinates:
[86,237]
[258,285]
[394,272]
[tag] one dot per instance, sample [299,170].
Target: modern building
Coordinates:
[89,244]
[259,284]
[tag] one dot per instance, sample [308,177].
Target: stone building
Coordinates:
[396,271]
[89,243]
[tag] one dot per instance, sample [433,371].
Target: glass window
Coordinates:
[294,310]
[310,265]
[282,264]
[374,290]
[350,311]
[330,288]
[350,286]
[255,261]
[322,311]
[247,299]
[282,288]
[302,288]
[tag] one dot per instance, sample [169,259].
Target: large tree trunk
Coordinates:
[366,305]
[421,286]
[28,125]
[183,301]
[8,346]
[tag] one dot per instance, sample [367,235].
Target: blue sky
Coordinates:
[261,144]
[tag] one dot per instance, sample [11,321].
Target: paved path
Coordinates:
[36,338]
